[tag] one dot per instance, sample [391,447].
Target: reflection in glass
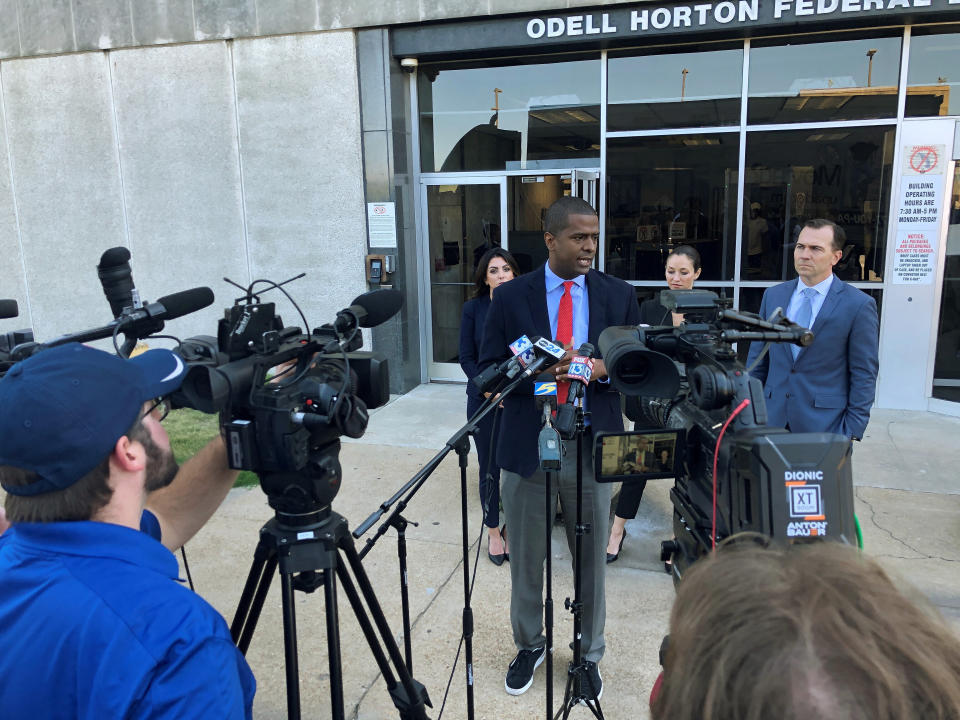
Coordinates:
[842,174]
[934,72]
[463,223]
[530,196]
[946,368]
[815,82]
[669,191]
[510,117]
[694,89]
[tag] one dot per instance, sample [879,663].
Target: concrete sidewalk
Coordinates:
[906,498]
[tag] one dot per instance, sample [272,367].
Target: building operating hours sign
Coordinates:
[919,212]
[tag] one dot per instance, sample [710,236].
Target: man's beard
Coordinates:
[161,467]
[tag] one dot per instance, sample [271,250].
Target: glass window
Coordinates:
[509,117]
[946,369]
[934,72]
[820,81]
[669,191]
[674,90]
[842,174]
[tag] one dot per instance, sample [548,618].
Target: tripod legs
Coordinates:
[301,552]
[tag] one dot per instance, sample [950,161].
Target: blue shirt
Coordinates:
[822,288]
[581,304]
[94,624]
[581,312]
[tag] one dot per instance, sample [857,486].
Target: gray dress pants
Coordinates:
[523,505]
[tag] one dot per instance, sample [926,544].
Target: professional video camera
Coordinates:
[287,430]
[733,473]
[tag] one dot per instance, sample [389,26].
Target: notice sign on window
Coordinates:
[382,224]
[919,212]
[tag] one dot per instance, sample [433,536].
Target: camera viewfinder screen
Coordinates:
[636,455]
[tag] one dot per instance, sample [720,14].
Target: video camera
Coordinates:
[733,473]
[286,429]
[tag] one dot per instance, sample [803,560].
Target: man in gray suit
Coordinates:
[830,385]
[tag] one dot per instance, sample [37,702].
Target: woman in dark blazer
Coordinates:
[496,266]
[682,269]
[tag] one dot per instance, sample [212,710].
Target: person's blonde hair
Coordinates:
[811,631]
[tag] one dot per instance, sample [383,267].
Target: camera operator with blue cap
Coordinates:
[93,620]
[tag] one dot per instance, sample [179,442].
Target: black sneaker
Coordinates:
[520,673]
[591,682]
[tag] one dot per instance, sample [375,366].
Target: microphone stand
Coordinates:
[576,674]
[547,465]
[459,441]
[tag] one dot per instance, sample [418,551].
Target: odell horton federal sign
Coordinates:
[631,23]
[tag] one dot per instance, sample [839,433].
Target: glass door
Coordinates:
[464,216]
[946,367]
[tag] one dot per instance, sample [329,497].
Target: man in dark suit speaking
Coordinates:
[566,300]
[830,385]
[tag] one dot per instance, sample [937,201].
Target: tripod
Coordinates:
[310,549]
[577,677]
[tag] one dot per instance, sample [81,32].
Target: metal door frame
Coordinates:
[588,180]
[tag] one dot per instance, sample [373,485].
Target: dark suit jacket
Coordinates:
[519,307]
[471,338]
[653,313]
[831,386]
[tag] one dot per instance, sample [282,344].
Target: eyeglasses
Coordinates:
[159,409]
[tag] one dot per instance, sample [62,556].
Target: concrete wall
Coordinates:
[226,158]
[41,27]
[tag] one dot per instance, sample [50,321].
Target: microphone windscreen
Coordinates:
[186,301]
[586,350]
[9,309]
[379,305]
[113,257]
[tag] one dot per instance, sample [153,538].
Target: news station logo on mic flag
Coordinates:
[581,368]
[523,348]
[545,388]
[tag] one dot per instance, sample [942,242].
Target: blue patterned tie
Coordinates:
[803,315]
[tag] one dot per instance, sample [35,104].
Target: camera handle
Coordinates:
[576,673]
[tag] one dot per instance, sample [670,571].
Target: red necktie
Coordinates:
[564,333]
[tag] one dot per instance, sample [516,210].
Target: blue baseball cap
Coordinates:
[63,409]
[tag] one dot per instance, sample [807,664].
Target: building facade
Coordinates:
[303,136]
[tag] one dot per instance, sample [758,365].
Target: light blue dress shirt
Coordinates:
[581,304]
[816,302]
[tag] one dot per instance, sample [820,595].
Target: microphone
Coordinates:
[528,356]
[8,309]
[579,372]
[548,442]
[117,280]
[145,321]
[369,310]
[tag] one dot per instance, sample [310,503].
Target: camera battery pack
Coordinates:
[241,441]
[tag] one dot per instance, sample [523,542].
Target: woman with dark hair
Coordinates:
[496,266]
[682,269]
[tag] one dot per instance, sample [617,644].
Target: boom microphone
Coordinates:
[140,323]
[369,310]
[8,309]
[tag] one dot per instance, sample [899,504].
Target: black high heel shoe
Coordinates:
[613,558]
[498,559]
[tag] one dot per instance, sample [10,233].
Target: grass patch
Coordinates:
[190,430]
